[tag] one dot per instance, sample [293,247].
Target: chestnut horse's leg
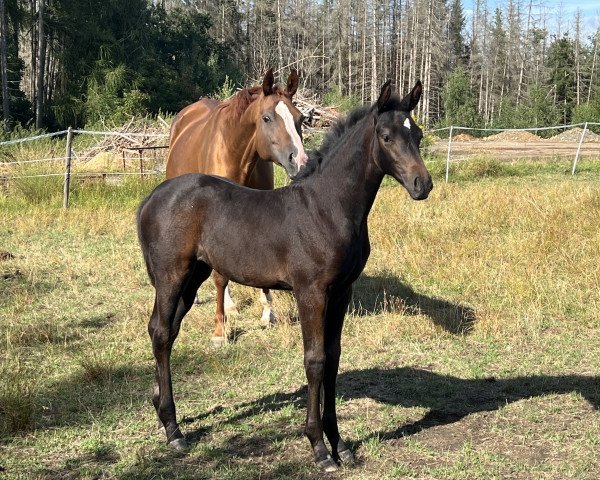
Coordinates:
[172,301]
[219,338]
[311,307]
[266,299]
[334,320]
[230,307]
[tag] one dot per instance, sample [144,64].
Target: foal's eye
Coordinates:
[266,119]
[386,137]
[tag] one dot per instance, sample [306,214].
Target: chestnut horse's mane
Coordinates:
[234,107]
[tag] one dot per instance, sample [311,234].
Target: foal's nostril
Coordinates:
[418,184]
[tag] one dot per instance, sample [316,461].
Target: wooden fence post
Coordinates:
[69,152]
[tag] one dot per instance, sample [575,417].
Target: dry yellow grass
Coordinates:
[473,328]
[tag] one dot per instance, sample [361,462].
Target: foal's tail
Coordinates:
[143,244]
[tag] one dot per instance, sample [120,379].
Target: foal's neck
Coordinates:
[350,174]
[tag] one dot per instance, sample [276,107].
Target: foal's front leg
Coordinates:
[311,307]
[334,320]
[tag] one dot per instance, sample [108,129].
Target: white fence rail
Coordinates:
[577,152]
[67,159]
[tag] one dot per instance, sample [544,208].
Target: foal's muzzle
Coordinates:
[420,187]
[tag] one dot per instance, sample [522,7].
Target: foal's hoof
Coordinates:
[197,300]
[218,342]
[347,457]
[178,444]
[327,465]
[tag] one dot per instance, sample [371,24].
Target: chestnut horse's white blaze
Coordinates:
[284,112]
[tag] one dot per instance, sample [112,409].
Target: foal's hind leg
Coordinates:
[172,301]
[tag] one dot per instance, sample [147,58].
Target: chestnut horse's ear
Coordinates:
[292,83]
[384,95]
[268,82]
[410,101]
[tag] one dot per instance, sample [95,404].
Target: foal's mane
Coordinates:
[338,132]
[333,137]
[234,107]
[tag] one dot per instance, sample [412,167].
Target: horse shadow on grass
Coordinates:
[448,399]
[378,294]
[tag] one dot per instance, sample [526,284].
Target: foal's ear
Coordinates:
[268,82]
[410,101]
[292,83]
[384,95]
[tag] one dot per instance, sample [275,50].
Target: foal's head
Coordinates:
[278,124]
[398,138]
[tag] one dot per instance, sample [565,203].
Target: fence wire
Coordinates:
[130,135]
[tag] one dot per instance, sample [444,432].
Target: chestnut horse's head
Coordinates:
[398,139]
[278,124]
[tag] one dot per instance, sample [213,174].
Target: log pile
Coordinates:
[125,141]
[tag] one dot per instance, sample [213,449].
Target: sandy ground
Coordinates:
[513,150]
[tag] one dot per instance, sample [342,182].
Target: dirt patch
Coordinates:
[513,136]
[573,135]
[4,256]
[511,145]
[463,137]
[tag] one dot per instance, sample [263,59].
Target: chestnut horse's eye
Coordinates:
[266,119]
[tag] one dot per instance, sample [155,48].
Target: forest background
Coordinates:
[521,63]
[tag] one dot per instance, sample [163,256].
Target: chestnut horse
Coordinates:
[239,139]
[309,237]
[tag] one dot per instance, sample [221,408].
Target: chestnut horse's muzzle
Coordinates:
[294,161]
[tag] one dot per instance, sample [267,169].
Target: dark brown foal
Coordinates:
[310,237]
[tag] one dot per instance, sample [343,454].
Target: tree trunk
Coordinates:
[39,101]
[4,68]
[279,37]
[524,53]
[596,40]
[374,53]
[364,53]
[578,57]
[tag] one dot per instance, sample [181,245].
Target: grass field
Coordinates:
[472,349]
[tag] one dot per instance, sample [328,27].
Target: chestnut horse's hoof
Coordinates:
[347,457]
[327,465]
[178,444]
[268,319]
[218,342]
